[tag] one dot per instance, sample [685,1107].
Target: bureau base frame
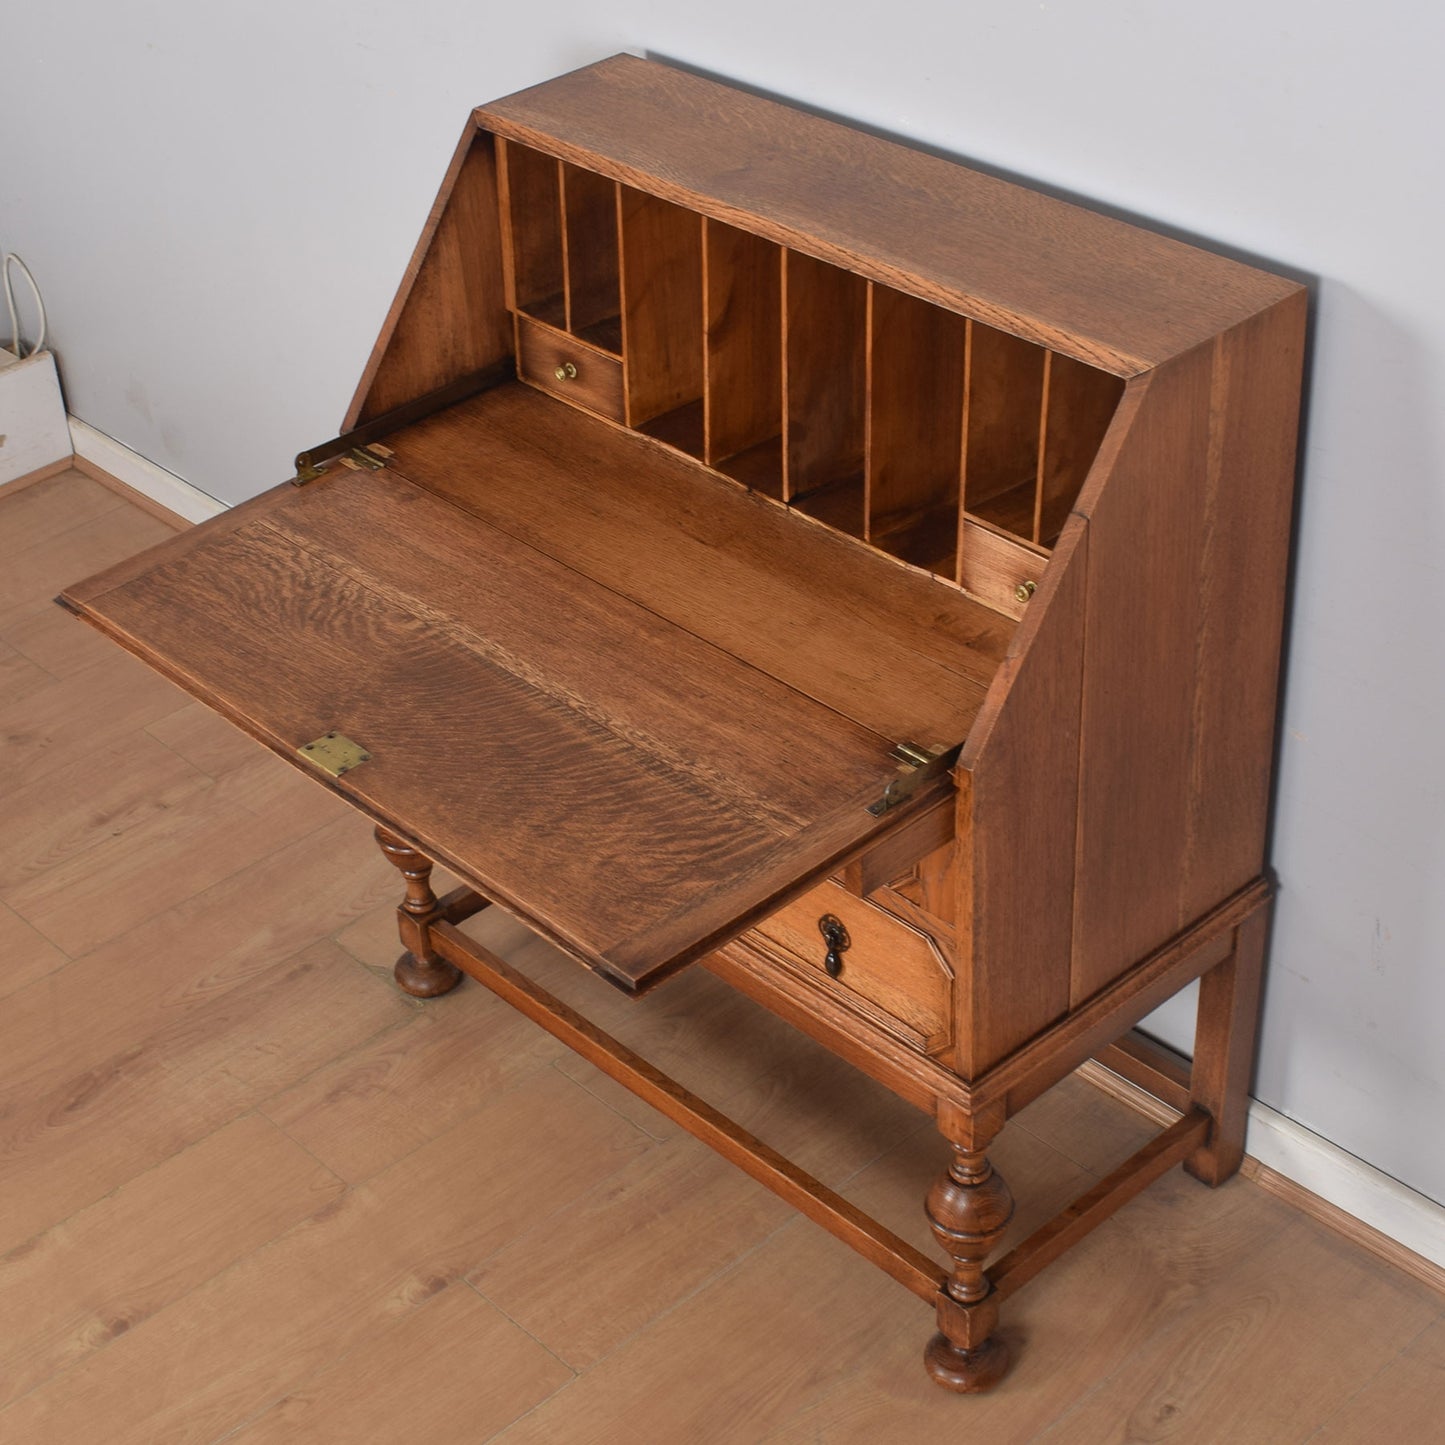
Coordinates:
[970,1205]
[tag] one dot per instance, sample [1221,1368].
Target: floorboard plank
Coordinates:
[254,1334]
[106,1269]
[457,1370]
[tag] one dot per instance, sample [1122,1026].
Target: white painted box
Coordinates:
[33,428]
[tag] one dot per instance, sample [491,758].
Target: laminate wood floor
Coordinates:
[248,1192]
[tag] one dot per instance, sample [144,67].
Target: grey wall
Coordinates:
[219,202]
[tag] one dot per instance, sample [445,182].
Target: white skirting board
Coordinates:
[1324,1169]
[141,474]
[1289,1149]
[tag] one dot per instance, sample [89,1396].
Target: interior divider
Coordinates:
[1079,405]
[590,248]
[937,438]
[533,186]
[1003,411]
[743,394]
[824,390]
[662,319]
[916,357]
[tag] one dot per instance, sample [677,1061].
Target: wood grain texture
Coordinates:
[1097,289]
[1242,573]
[1223,1066]
[1018,810]
[656,774]
[892,650]
[915,428]
[1080,404]
[113,789]
[1145,518]
[456,1371]
[181,846]
[590,241]
[890,971]
[256,1332]
[48,506]
[532,216]
[449,317]
[662,304]
[824,378]
[928,832]
[1402,1402]
[1399,1257]
[744,398]
[591,377]
[1261,1362]
[29,579]
[86,1118]
[1027,1259]
[358,1113]
[27,953]
[806,1194]
[1003,405]
[121,1261]
[131,494]
[993,565]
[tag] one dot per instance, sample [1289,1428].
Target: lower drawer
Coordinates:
[883,968]
[569,369]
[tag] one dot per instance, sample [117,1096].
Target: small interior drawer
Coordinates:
[889,971]
[569,369]
[998,570]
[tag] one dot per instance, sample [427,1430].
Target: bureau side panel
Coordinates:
[449,317]
[1018,808]
[1144,618]
[1243,564]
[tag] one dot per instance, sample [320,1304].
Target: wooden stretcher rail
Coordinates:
[1094,1206]
[895,1256]
[1149,1066]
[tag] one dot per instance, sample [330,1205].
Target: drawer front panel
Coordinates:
[890,972]
[569,369]
[998,570]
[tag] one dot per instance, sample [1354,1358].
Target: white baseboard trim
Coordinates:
[1359,1189]
[141,474]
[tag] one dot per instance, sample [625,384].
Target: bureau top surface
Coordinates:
[637,786]
[1104,291]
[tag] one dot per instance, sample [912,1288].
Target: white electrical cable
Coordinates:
[12,259]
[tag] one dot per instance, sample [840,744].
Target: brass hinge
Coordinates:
[334,753]
[372,458]
[917,764]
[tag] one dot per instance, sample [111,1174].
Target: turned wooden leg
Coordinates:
[968,1208]
[419,971]
[1224,1039]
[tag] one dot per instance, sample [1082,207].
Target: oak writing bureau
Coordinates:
[759,544]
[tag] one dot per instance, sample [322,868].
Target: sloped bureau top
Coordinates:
[1097,289]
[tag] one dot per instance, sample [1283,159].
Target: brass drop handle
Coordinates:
[566,372]
[836,937]
[1024,591]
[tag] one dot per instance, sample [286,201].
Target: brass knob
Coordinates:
[1024,591]
[566,372]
